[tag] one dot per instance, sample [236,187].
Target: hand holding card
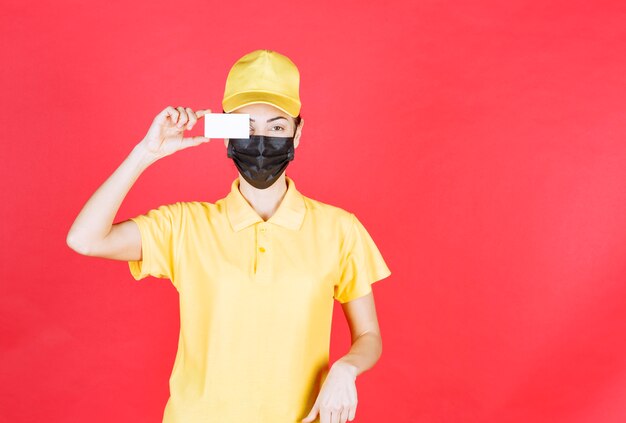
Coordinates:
[166,134]
[224,125]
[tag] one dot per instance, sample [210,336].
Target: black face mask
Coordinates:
[261,159]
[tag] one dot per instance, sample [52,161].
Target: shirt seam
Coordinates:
[145,248]
[347,238]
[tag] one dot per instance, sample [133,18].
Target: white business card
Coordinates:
[227,125]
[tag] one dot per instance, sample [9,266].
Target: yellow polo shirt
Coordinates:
[256,300]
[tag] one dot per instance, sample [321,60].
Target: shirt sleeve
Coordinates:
[160,230]
[361,264]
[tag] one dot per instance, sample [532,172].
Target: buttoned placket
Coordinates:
[262,252]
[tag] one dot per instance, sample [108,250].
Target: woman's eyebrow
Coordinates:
[269,120]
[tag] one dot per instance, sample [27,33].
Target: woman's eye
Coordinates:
[280,127]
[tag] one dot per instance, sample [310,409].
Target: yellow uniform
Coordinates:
[256,300]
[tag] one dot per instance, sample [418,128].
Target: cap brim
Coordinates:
[286,104]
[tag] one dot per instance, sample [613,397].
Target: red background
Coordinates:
[482,145]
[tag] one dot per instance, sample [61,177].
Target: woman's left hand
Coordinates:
[337,399]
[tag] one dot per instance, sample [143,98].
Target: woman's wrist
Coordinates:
[351,368]
[142,157]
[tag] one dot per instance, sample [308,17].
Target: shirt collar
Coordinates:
[290,212]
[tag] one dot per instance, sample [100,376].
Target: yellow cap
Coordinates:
[263,76]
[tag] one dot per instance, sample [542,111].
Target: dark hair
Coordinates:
[296,119]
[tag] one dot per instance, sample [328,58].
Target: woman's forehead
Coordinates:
[261,110]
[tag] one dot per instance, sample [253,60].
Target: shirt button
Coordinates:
[262,229]
[261,249]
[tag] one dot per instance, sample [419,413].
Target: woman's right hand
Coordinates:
[165,135]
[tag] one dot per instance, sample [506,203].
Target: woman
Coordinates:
[256,271]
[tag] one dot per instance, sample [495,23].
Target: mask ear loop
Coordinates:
[290,153]
[229,150]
